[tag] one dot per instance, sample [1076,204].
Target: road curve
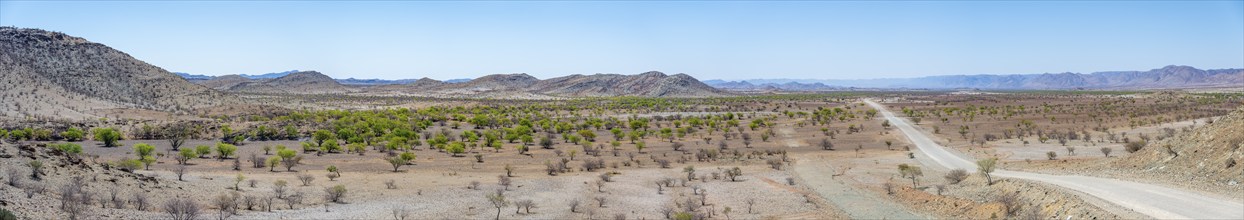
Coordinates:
[1152,200]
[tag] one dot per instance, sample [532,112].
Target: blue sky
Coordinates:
[708,40]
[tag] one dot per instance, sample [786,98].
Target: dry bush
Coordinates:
[1132,147]
[181,208]
[306,179]
[504,181]
[957,175]
[1010,203]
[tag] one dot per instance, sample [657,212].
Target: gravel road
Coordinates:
[1152,200]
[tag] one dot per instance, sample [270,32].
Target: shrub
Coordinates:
[335,194]
[181,208]
[107,135]
[957,175]
[73,134]
[1132,147]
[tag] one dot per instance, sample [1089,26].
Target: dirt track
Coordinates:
[1152,200]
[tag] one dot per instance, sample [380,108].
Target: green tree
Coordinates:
[144,154]
[203,150]
[986,167]
[911,172]
[109,136]
[273,161]
[224,150]
[456,148]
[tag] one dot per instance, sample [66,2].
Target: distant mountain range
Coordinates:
[347,81]
[649,84]
[1168,77]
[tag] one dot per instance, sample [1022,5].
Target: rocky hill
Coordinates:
[46,74]
[1209,153]
[305,82]
[225,82]
[648,84]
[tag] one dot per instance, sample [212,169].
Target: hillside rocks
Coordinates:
[51,74]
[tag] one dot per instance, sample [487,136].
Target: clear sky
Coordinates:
[708,40]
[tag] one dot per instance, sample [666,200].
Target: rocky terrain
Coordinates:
[50,74]
[648,84]
[1209,153]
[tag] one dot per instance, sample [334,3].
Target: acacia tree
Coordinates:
[144,154]
[911,172]
[107,135]
[986,167]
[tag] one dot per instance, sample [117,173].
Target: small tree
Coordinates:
[272,162]
[107,135]
[144,151]
[498,200]
[335,194]
[734,173]
[306,179]
[238,180]
[223,150]
[504,181]
[396,162]
[986,167]
[333,169]
[826,145]
[180,170]
[911,172]
[185,154]
[1106,151]
[36,170]
[1051,155]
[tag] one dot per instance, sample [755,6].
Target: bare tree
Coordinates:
[181,208]
[498,200]
[400,213]
[504,181]
[74,200]
[306,179]
[226,205]
[600,201]
[180,171]
[1010,203]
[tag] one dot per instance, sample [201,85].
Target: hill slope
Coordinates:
[649,84]
[306,82]
[1212,152]
[54,75]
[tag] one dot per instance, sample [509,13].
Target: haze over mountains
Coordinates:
[1169,77]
